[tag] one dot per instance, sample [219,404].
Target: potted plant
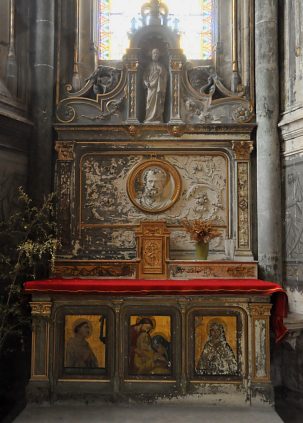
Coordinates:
[201,231]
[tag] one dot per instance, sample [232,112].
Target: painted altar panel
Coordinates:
[84,350]
[150,346]
[216,349]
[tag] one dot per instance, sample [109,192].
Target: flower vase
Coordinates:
[202,250]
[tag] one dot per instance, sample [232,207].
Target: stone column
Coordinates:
[43,39]
[268,146]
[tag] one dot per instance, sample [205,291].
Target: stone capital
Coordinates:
[42,309]
[65,150]
[242,149]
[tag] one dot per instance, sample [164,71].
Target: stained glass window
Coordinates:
[116,18]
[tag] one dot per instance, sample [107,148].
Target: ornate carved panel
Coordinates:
[104,199]
[243,206]
[152,250]
[260,341]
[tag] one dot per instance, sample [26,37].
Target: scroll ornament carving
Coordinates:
[213,271]
[104,79]
[65,112]
[152,254]
[112,107]
[199,108]
[205,80]
[243,213]
[65,151]
[100,270]
[242,149]
[41,309]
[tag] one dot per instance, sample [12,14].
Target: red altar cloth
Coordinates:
[174,287]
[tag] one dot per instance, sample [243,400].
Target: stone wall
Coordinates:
[291,125]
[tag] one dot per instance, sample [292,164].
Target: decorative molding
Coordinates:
[243,205]
[198,270]
[102,270]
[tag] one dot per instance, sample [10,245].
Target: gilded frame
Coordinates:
[152,312]
[214,313]
[73,374]
[136,178]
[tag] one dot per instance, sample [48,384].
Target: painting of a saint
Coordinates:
[149,351]
[83,345]
[217,356]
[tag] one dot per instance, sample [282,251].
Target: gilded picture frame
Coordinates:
[154,186]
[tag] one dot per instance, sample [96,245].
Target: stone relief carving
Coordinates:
[64,200]
[104,199]
[104,79]
[206,99]
[243,210]
[205,80]
[106,204]
[154,186]
[103,91]
[260,349]
[294,216]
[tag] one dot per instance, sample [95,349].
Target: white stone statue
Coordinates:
[155,80]
[152,196]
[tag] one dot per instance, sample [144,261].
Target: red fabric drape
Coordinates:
[173,287]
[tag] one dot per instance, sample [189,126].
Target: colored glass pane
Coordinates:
[195,25]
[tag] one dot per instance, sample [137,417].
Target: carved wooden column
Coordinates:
[41,312]
[64,184]
[175,65]
[260,348]
[242,150]
[132,65]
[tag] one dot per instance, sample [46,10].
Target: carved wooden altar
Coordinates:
[126,178]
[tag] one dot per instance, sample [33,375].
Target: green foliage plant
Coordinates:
[28,243]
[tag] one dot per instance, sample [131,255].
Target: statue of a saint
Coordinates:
[155,80]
